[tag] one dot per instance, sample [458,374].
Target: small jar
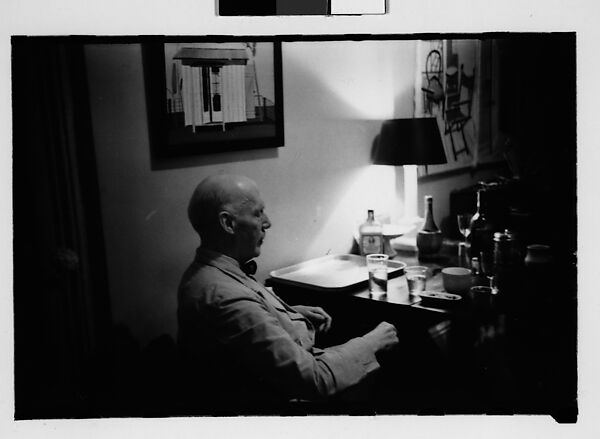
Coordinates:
[538,255]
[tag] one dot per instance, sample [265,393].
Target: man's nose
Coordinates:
[266,222]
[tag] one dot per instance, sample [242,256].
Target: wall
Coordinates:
[316,188]
[440,187]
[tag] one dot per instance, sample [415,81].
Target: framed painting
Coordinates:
[454,84]
[213,94]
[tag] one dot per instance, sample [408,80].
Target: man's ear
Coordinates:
[227,222]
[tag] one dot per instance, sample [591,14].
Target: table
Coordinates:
[514,356]
[397,300]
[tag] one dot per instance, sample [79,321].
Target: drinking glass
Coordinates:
[487,269]
[463,255]
[378,275]
[464,224]
[416,278]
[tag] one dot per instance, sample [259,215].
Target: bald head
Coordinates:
[215,194]
[228,214]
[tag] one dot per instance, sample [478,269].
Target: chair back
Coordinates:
[467,82]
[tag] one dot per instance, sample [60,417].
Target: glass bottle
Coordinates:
[429,238]
[371,235]
[505,251]
[506,260]
[481,229]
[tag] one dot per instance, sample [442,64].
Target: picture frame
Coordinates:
[453,84]
[213,94]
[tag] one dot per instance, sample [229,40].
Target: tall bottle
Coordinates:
[429,238]
[481,229]
[371,235]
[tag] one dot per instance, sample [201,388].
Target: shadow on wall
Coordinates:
[191,161]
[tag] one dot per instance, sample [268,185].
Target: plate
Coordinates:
[395,230]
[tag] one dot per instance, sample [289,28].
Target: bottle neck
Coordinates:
[480,203]
[430,225]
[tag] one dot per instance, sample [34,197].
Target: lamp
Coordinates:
[408,143]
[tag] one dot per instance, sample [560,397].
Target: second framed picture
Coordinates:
[213,94]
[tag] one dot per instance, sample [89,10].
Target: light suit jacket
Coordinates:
[253,344]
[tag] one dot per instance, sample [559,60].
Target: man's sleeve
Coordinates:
[246,328]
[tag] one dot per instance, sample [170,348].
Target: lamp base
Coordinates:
[405,244]
[408,242]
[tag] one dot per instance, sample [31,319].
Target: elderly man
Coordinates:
[249,344]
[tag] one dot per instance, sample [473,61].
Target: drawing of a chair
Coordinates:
[458,106]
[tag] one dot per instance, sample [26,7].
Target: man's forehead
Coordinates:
[251,200]
[247,196]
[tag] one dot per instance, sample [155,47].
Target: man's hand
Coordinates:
[316,315]
[383,337]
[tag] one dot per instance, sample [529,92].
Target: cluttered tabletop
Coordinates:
[348,274]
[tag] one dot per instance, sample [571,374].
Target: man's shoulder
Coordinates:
[209,283]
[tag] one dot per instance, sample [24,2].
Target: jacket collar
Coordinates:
[218,260]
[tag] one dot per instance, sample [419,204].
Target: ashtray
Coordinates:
[439,298]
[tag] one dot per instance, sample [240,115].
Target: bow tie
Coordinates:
[249,268]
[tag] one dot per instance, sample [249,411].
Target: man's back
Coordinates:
[215,371]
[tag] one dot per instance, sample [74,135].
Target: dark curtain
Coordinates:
[61,304]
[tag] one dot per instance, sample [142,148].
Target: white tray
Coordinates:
[332,273]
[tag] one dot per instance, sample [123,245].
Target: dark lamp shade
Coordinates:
[409,142]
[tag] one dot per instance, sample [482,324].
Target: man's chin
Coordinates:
[258,248]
